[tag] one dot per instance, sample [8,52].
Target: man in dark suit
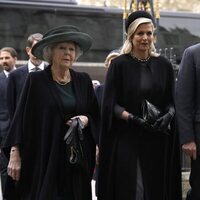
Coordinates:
[17,78]
[188,113]
[8,57]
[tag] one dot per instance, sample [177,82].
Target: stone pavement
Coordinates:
[185,183]
[93,190]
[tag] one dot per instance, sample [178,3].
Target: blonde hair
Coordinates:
[109,57]
[128,46]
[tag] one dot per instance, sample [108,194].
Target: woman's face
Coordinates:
[64,54]
[143,38]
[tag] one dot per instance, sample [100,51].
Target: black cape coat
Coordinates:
[122,144]
[39,127]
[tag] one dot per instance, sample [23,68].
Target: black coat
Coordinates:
[4,126]
[4,116]
[16,81]
[123,144]
[39,127]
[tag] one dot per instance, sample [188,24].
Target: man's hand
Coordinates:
[14,165]
[97,155]
[190,149]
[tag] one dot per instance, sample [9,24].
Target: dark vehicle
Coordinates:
[18,19]
[176,32]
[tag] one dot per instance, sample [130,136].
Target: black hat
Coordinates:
[137,14]
[62,34]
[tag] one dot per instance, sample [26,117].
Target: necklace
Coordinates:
[61,81]
[139,59]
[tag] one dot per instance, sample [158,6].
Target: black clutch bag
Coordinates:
[75,143]
[150,113]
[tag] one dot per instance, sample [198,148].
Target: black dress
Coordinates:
[69,107]
[122,145]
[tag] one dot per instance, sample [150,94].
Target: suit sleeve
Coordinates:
[11,96]
[185,96]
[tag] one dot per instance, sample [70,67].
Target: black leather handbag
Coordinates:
[75,143]
[150,113]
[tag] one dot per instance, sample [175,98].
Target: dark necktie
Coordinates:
[36,69]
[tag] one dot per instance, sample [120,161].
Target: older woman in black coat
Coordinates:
[38,157]
[138,160]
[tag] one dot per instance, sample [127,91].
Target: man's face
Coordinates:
[35,61]
[7,61]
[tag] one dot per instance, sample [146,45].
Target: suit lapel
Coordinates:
[3,76]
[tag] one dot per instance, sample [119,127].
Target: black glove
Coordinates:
[141,122]
[163,122]
[135,119]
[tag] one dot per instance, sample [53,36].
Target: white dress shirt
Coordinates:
[31,66]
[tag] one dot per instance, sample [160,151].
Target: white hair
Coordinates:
[47,52]
[128,46]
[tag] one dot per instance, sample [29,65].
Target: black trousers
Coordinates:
[194,194]
[3,170]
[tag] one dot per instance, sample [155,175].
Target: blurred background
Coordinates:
[177,23]
[169,5]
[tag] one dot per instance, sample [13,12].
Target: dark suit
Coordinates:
[15,84]
[4,125]
[99,94]
[188,109]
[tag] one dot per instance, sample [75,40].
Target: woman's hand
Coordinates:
[14,165]
[83,118]
[163,122]
[135,120]
[97,155]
